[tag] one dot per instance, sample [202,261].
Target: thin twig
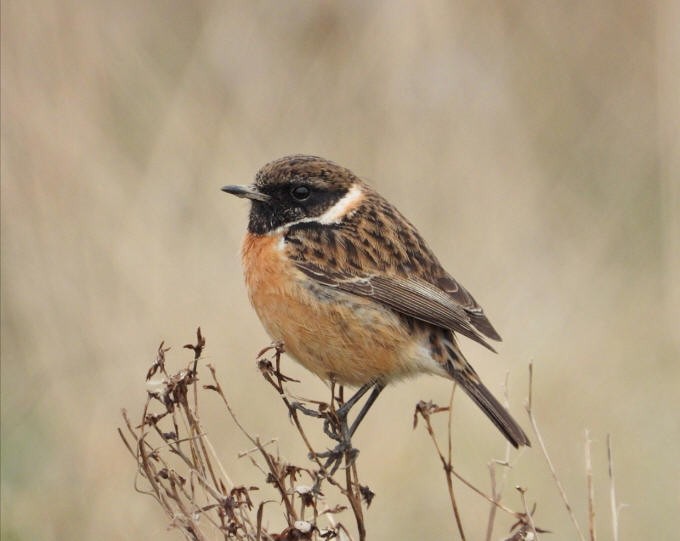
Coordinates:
[492,508]
[553,472]
[496,490]
[591,489]
[612,490]
[425,409]
[353,495]
[448,467]
[527,513]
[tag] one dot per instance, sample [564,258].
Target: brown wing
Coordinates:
[410,296]
[469,304]
[378,253]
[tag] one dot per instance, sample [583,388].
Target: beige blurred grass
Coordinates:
[533,143]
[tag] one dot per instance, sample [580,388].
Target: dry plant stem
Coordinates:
[147,464]
[195,496]
[190,528]
[177,487]
[591,490]
[230,483]
[177,497]
[198,461]
[497,491]
[428,427]
[353,496]
[298,425]
[351,488]
[186,519]
[176,449]
[193,425]
[448,470]
[278,385]
[448,467]
[496,495]
[425,410]
[612,491]
[527,513]
[553,472]
[290,509]
[197,432]
[190,416]
[155,493]
[134,453]
[205,497]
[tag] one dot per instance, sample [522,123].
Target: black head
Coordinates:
[294,189]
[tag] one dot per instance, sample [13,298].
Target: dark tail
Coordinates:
[475,389]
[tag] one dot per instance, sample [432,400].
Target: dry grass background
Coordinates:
[535,144]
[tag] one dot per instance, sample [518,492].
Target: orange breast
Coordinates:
[334,334]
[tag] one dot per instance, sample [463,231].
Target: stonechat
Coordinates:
[349,286]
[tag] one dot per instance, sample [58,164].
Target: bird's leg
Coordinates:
[335,429]
[377,389]
[344,432]
[343,410]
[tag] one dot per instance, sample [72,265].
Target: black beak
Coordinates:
[249,192]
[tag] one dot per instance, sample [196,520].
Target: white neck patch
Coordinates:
[348,203]
[344,207]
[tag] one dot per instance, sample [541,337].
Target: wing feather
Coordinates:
[410,296]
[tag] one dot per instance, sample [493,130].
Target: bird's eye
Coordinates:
[300,192]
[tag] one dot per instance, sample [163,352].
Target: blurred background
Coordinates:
[534,144]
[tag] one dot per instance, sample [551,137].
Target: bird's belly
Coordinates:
[334,334]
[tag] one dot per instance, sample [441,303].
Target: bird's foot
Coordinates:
[335,456]
[298,406]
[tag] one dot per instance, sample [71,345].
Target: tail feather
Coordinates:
[475,389]
[494,411]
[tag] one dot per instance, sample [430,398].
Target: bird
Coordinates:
[349,286]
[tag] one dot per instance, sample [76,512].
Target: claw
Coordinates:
[332,431]
[336,427]
[334,456]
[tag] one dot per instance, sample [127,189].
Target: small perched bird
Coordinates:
[349,286]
